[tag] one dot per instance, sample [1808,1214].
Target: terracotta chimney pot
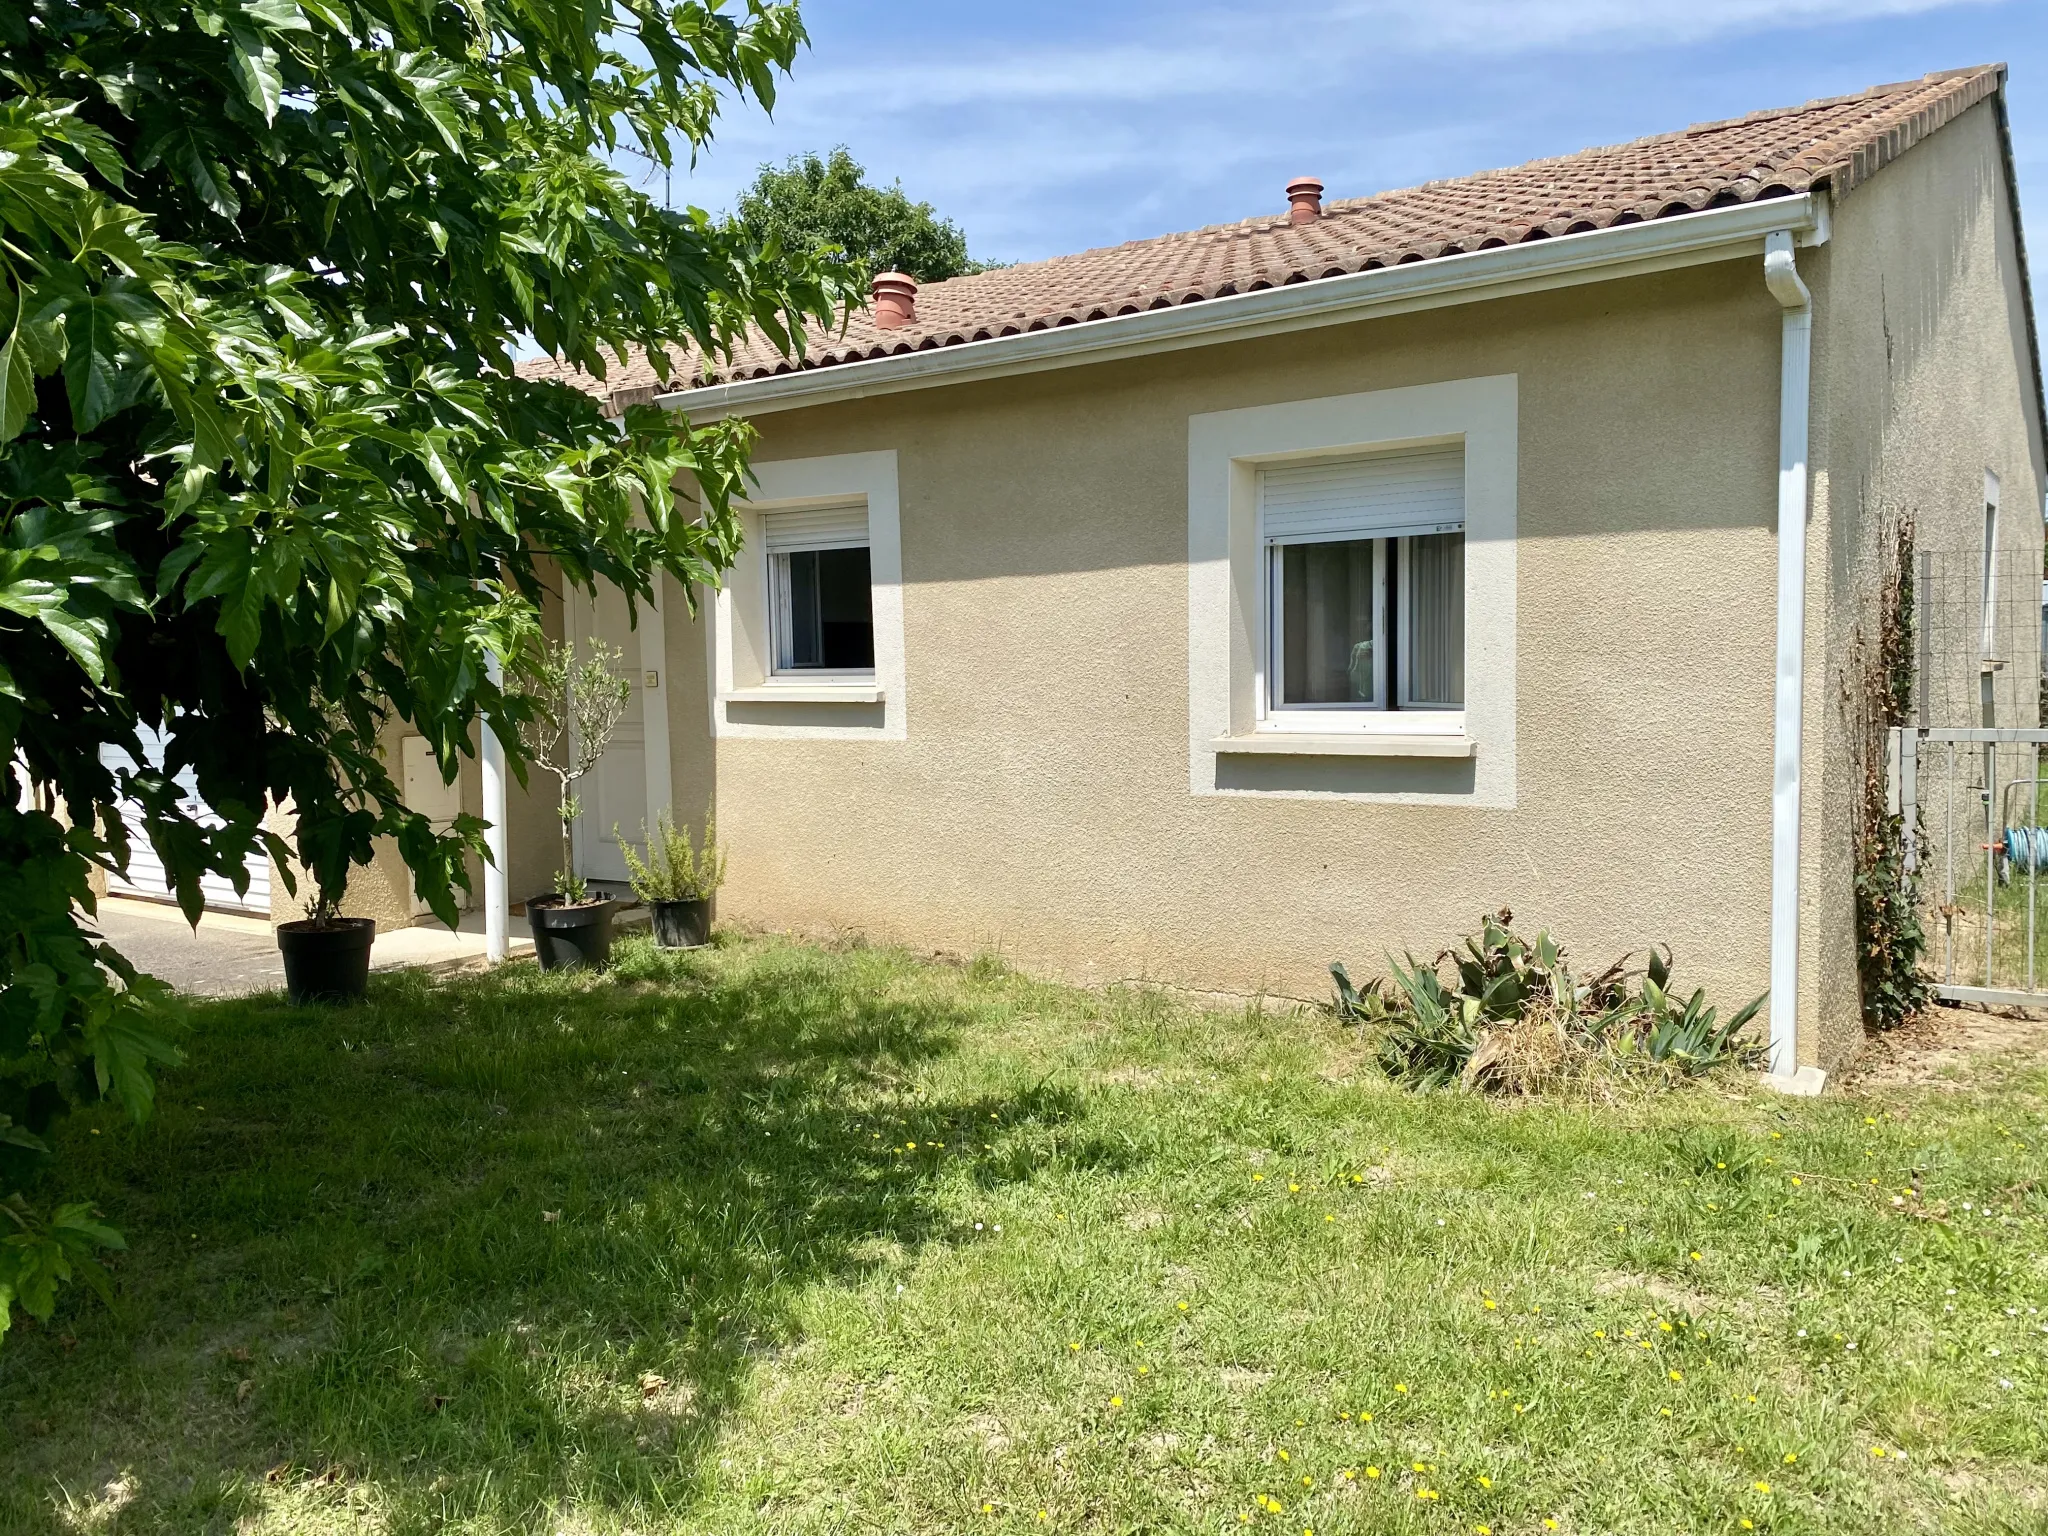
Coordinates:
[895,296]
[1305,200]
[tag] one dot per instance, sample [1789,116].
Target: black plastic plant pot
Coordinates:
[570,938]
[327,963]
[681,924]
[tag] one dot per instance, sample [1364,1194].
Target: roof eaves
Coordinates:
[2019,245]
[1617,251]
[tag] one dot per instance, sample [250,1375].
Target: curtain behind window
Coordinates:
[1436,620]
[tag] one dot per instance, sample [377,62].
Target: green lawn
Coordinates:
[772,1238]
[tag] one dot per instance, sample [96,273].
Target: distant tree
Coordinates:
[811,201]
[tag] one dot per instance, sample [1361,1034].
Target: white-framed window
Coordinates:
[1989,607]
[821,592]
[806,632]
[1352,595]
[1364,590]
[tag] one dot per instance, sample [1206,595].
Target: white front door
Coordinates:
[426,791]
[614,793]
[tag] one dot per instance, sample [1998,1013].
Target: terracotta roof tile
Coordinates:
[1840,142]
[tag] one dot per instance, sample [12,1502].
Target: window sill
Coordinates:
[1351,744]
[806,693]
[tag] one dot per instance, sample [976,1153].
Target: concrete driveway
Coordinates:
[224,957]
[229,954]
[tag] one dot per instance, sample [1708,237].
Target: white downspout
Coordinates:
[497,906]
[1781,276]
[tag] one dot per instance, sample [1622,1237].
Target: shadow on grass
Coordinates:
[484,1251]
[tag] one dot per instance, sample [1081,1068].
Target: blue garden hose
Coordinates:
[2026,848]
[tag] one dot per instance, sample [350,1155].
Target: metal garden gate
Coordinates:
[1971,801]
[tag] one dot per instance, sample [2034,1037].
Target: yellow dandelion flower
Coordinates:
[1790,1457]
[1144,1370]
[1695,1255]
[1677,1375]
[1365,1418]
[1549,1524]
[1285,1457]
[1350,1476]
[1482,1530]
[1491,1305]
[1761,1487]
[1116,1402]
[1307,1481]
[1372,1472]
[1599,1333]
[1183,1306]
[1485,1481]
[1796,1180]
[1663,1326]
[988,1509]
[1258,1178]
[1877,1450]
[1400,1386]
[1748,1524]
[1294,1189]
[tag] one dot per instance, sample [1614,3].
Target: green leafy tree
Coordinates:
[813,203]
[269,479]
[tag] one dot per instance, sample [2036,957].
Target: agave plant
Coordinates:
[1433,1035]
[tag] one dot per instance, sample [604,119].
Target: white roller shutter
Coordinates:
[1380,495]
[816,528]
[146,877]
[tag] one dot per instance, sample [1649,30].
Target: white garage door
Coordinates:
[146,876]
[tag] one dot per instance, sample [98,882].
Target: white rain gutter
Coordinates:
[497,904]
[1781,276]
[1624,250]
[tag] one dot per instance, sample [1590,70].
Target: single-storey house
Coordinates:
[1210,607]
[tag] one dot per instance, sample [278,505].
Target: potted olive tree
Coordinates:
[580,704]
[678,879]
[326,955]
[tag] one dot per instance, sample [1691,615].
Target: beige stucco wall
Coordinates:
[1922,381]
[1040,804]
[383,888]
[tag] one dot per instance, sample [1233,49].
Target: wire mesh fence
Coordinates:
[1979,637]
[1975,807]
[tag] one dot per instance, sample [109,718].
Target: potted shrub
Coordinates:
[326,955]
[580,705]
[677,879]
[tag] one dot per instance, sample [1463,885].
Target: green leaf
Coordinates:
[17,386]
[92,362]
[123,1046]
[207,178]
[256,70]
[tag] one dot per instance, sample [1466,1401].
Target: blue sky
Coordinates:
[1053,126]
